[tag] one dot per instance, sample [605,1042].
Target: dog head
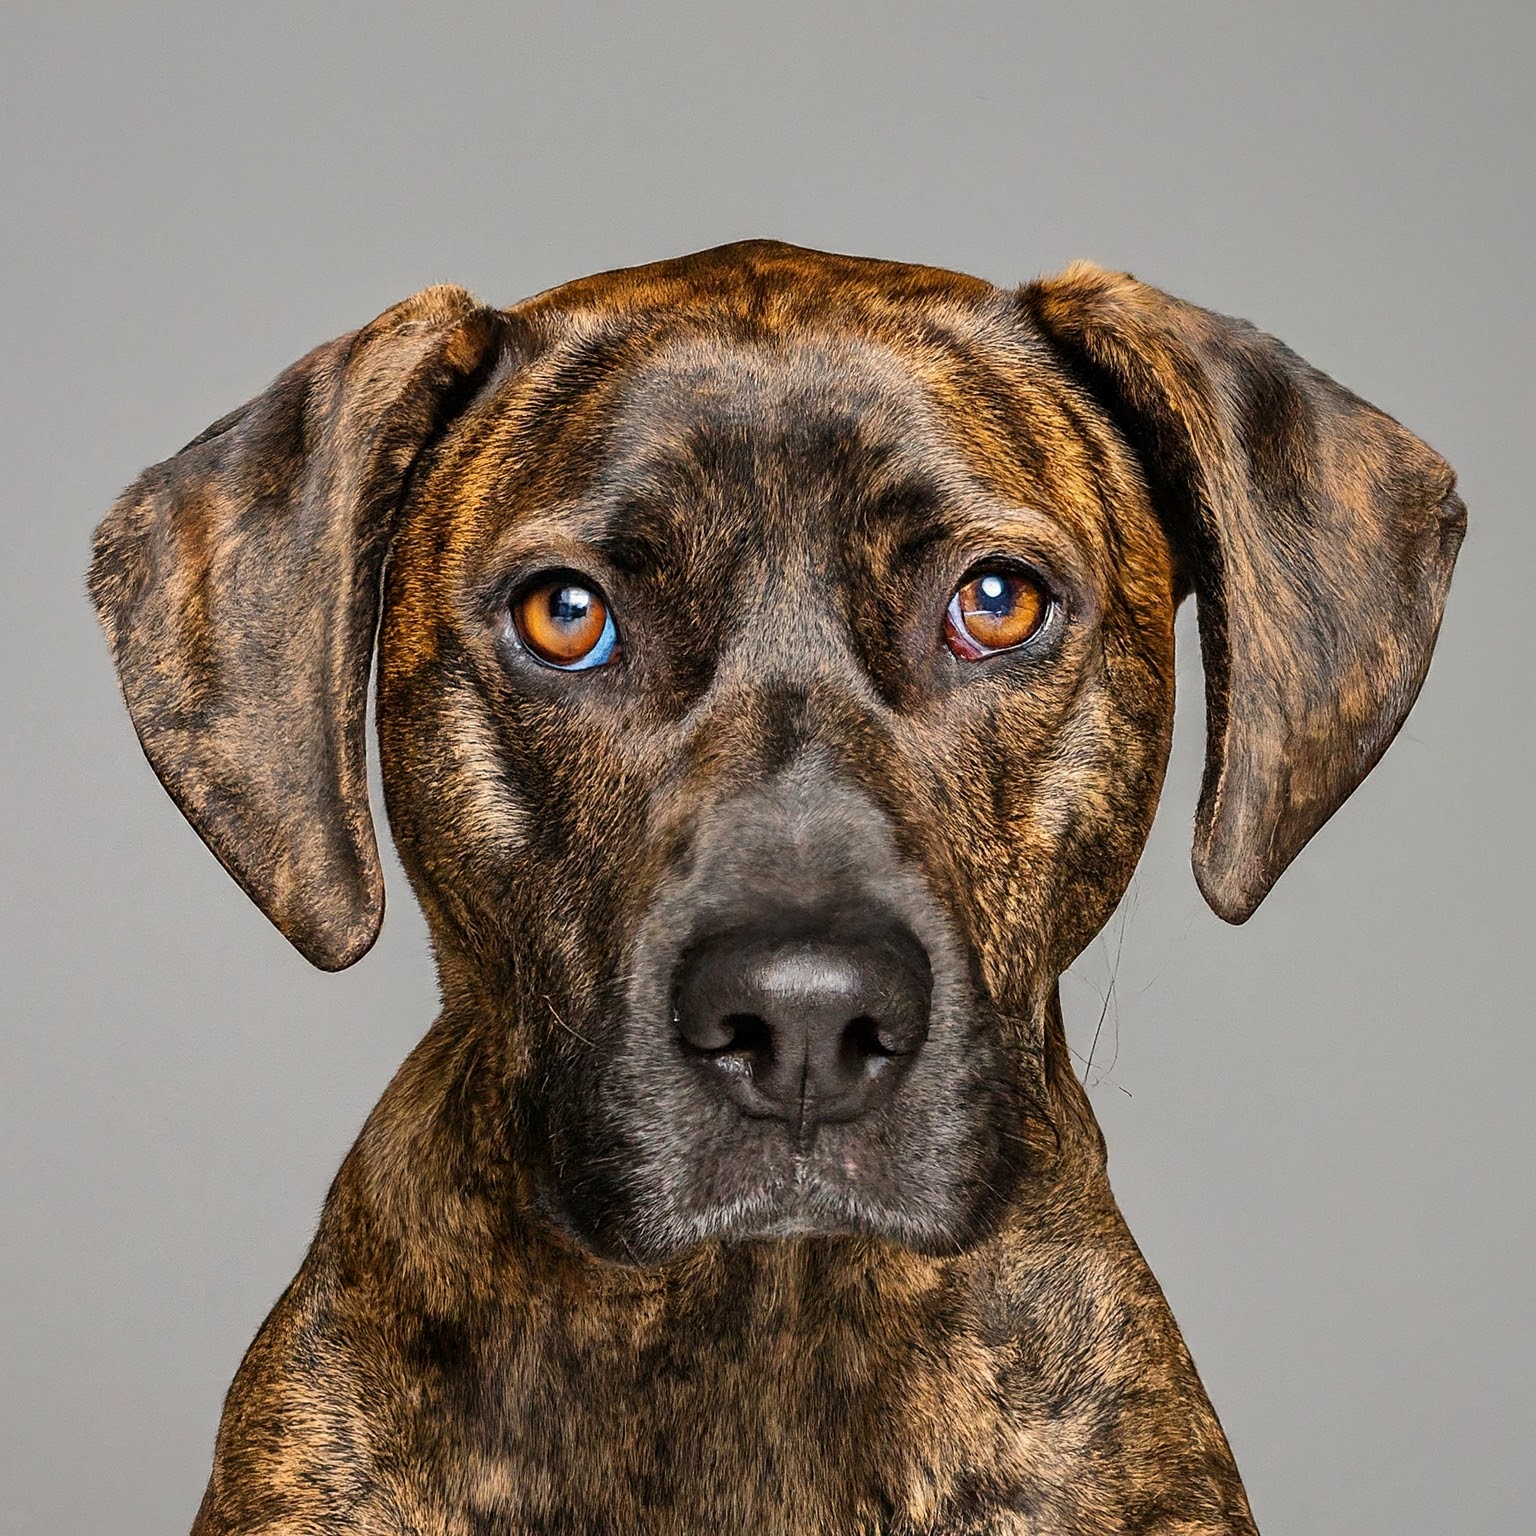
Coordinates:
[775,685]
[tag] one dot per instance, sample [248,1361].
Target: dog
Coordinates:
[775,671]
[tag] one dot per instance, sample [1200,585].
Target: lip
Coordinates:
[814,1196]
[776,1220]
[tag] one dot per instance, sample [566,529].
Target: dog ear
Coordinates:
[238,584]
[1318,536]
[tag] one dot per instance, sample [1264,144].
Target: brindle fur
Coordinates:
[779,460]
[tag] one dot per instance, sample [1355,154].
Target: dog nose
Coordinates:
[805,1029]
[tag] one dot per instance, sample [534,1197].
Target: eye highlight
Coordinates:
[565,623]
[996,608]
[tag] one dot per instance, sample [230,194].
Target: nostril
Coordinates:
[744,1034]
[868,1043]
[711,1032]
[863,1034]
[864,1037]
[746,1028]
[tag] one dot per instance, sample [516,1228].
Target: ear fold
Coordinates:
[238,584]
[1317,533]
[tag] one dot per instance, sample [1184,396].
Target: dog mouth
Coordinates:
[669,1162]
[797,1048]
[810,1195]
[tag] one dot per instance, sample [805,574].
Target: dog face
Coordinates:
[793,772]
[775,685]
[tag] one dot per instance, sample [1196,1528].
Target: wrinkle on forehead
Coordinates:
[772,442]
[845,435]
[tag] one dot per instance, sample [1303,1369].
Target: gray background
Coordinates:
[1319,1124]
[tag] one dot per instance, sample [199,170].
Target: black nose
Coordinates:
[807,1029]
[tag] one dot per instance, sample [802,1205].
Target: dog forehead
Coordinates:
[802,408]
[766,369]
[764,398]
[768,343]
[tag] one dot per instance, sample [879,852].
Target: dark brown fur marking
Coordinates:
[777,463]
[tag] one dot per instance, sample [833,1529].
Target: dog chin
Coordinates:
[806,1206]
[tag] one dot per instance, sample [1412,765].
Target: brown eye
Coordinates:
[995,610]
[566,624]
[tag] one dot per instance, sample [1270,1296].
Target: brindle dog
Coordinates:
[775,683]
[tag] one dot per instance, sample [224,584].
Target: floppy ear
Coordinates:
[1318,536]
[238,584]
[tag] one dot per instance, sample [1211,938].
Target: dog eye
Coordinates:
[997,608]
[565,624]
